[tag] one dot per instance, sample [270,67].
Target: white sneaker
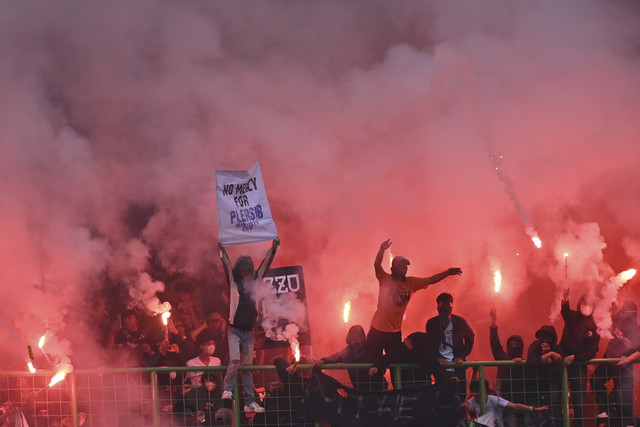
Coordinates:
[227,395]
[253,407]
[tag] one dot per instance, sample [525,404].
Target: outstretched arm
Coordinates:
[377,263]
[438,277]
[526,408]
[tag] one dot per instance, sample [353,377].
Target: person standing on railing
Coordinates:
[544,371]
[395,290]
[579,343]
[243,315]
[510,379]
[625,344]
[413,351]
[450,339]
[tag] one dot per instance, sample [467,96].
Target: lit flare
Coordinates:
[165,317]
[537,241]
[347,309]
[497,281]
[295,349]
[41,341]
[628,274]
[31,368]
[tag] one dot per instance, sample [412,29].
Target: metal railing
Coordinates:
[159,397]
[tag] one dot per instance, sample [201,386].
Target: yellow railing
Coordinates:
[156,397]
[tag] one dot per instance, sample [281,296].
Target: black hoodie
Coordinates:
[580,334]
[510,378]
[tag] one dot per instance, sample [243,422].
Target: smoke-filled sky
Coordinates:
[370,119]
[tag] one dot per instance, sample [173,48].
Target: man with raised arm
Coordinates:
[395,290]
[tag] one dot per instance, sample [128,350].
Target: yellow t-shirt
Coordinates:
[393,298]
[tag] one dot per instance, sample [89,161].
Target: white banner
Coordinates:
[244,215]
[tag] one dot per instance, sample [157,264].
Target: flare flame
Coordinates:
[347,309]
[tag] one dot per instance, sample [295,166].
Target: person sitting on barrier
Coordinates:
[450,339]
[544,371]
[413,351]
[207,347]
[579,343]
[495,404]
[356,352]
[510,379]
[624,344]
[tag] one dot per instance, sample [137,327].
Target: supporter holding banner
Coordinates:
[244,215]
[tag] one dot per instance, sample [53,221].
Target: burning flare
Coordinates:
[31,368]
[627,275]
[537,241]
[497,280]
[347,309]
[295,349]
[41,342]
[57,378]
[61,374]
[165,317]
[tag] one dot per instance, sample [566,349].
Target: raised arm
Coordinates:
[565,308]
[377,263]
[494,339]
[268,259]
[226,263]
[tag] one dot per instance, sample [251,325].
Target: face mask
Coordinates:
[210,349]
[586,310]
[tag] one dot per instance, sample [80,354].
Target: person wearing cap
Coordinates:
[625,344]
[395,290]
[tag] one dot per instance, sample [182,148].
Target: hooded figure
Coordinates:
[580,334]
[579,343]
[624,344]
[356,352]
[544,371]
[510,379]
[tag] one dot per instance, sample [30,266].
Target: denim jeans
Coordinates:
[240,353]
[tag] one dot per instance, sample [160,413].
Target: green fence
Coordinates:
[164,397]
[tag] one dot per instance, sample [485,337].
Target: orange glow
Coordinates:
[41,342]
[31,368]
[497,280]
[165,317]
[295,349]
[390,259]
[347,309]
